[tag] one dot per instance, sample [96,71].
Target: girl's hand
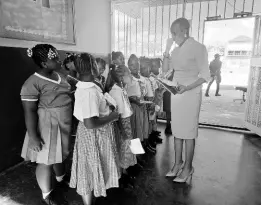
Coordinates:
[36,144]
[182,89]
[112,107]
[114,116]
[152,106]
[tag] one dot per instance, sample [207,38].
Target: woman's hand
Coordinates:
[169,44]
[36,144]
[182,89]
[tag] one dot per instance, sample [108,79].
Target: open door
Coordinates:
[232,39]
[253,103]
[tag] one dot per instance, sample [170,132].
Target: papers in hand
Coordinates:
[170,86]
[145,102]
[136,146]
[168,82]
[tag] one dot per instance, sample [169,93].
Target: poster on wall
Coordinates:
[38,20]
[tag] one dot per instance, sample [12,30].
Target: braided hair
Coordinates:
[115,76]
[158,62]
[132,57]
[101,61]
[86,64]
[145,66]
[41,53]
[144,61]
[116,54]
[70,57]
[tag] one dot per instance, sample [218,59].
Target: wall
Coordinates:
[92,25]
[93,34]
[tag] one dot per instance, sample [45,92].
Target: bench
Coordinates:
[244,90]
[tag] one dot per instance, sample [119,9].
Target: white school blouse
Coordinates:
[121,98]
[151,86]
[89,101]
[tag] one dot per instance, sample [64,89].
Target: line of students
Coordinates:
[108,114]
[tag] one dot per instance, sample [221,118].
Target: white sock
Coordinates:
[46,194]
[60,178]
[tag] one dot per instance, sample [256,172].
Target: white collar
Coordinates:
[48,79]
[82,84]
[116,87]
[134,78]
[189,40]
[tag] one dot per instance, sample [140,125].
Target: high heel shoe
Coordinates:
[185,179]
[171,173]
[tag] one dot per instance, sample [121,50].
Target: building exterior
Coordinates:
[237,58]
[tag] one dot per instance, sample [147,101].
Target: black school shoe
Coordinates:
[133,171]
[50,200]
[154,137]
[64,184]
[156,132]
[151,147]
[126,181]
[54,198]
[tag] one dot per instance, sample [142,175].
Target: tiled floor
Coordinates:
[227,172]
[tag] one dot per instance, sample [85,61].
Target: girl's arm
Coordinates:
[97,122]
[31,121]
[135,100]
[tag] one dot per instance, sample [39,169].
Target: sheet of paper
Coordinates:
[145,102]
[169,83]
[136,146]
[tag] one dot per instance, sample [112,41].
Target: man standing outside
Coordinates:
[215,72]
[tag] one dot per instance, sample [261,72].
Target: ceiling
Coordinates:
[160,2]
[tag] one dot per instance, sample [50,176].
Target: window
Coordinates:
[244,53]
[230,53]
[237,53]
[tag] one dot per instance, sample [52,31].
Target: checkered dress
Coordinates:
[123,134]
[94,166]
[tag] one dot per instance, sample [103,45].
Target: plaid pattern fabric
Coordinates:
[94,166]
[54,128]
[151,111]
[123,135]
[137,122]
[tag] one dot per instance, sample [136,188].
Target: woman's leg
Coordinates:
[178,143]
[178,150]
[209,85]
[44,178]
[190,148]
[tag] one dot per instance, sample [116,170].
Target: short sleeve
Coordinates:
[118,97]
[133,89]
[202,63]
[90,104]
[30,90]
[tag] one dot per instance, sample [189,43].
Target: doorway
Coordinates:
[232,39]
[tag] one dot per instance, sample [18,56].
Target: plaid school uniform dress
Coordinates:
[94,166]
